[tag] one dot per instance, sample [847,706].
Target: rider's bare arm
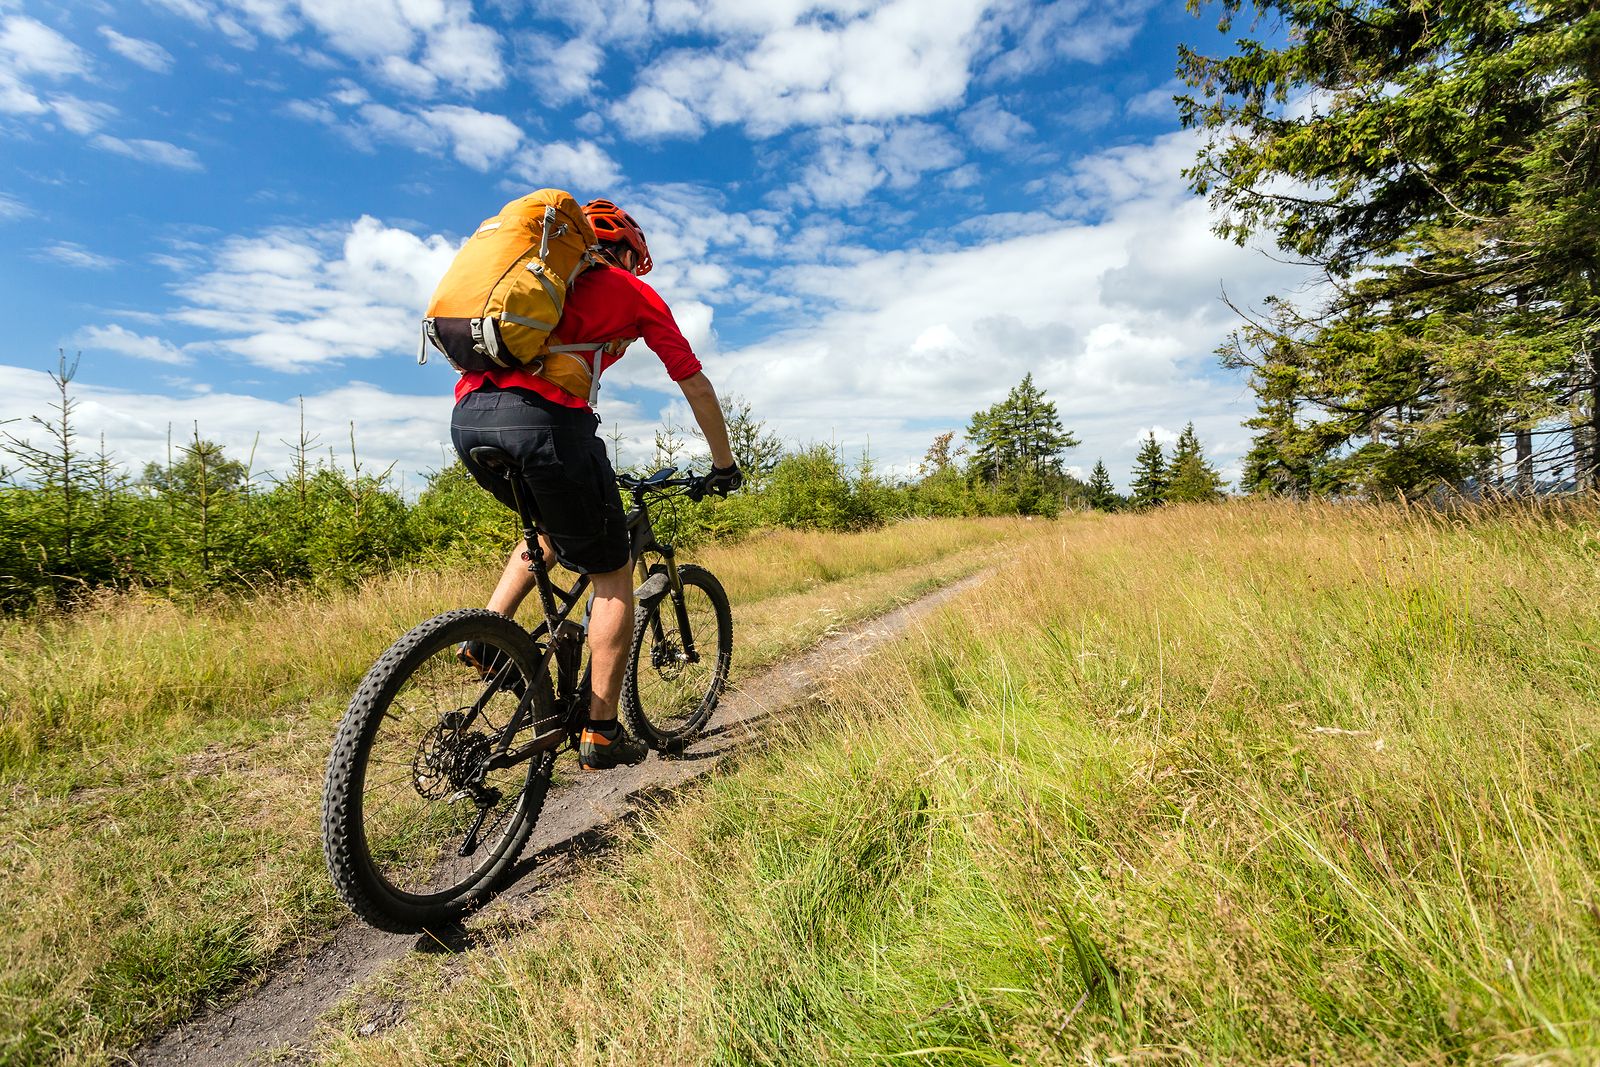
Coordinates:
[702,400]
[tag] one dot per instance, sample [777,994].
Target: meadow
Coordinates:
[162,764]
[1261,783]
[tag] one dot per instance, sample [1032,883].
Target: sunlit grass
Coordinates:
[163,764]
[1250,784]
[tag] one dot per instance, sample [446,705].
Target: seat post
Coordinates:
[535,551]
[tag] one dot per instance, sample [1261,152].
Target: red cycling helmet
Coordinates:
[611,223]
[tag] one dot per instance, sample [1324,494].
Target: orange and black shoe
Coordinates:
[479,656]
[600,749]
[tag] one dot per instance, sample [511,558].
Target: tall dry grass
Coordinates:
[1264,783]
[162,765]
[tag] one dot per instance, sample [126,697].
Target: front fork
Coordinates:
[675,592]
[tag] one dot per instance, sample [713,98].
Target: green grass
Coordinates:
[1248,784]
[162,766]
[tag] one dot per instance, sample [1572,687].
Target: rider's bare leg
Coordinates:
[516,581]
[610,622]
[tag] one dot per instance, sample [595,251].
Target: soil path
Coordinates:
[275,1021]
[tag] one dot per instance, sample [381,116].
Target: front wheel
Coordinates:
[669,692]
[418,822]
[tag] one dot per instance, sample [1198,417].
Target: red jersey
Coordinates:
[605,304]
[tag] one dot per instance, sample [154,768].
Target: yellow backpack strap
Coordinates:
[594,348]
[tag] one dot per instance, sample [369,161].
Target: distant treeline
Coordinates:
[73,519]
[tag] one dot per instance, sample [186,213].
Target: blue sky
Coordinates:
[871,218]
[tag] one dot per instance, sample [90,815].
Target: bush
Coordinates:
[812,490]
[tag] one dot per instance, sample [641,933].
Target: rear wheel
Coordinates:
[667,697]
[416,827]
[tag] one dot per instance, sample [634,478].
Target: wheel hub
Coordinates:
[449,759]
[667,659]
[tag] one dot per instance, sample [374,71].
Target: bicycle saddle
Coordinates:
[493,459]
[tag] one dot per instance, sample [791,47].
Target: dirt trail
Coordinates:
[275,1021]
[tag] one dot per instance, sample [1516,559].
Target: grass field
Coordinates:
[162,766]
[1262,783]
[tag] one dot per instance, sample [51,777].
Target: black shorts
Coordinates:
[565,471]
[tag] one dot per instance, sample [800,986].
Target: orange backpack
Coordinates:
[497,305]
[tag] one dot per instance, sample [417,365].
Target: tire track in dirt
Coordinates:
[276,1020]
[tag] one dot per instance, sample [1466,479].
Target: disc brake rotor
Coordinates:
[449,758]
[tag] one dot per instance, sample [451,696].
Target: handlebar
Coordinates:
[661,480]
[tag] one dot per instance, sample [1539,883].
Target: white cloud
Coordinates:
[579,165]
[991,127]
[28,46]
[12,208]
[125,342]
[901,58]
[410,431]
[850,162]
[1065,29]
[288,300]
[776,65]
[1156,103]
[481,140]
[567,67]
[161,153]
[75,255]
[147,54]
[30,50]
[82,117]
[914,148]
[414,45]
[465,55]
[1116,314]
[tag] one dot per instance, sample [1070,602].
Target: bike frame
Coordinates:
[564,639]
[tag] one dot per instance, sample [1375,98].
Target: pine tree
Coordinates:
[1192,479]
[1102,495]
[754,449]
[1149,474]
[1446,179]
[1020,437]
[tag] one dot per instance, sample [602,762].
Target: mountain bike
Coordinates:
[438,773]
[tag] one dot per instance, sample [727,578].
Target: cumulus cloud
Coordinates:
[573,164]
[567,68]
[481,140]
[146,54]
[991,127]
[1156,103]
[125,342]
[849,162]
[417,46]
[778,68]
[288,300]
[1037,35]
[773,66]
[1115,313]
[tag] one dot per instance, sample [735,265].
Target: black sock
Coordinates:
[605,726]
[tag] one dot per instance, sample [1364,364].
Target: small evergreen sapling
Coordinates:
[1149,474]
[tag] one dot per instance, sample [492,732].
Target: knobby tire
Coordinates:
[698,687]
[361,880]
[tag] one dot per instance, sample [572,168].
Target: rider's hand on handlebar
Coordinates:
[722,480]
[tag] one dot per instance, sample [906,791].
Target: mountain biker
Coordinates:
[551,434]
